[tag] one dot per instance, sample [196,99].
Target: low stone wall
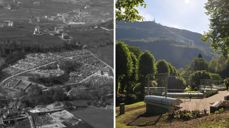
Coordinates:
[186,95]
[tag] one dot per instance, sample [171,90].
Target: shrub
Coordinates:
[185,115]
[189,89]
[226,83]
[197,77]
[215,76]
[221,110]
[210,93]
[162,67]
[131,98]
[176,83]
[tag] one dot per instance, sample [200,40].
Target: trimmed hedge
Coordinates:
[210,93]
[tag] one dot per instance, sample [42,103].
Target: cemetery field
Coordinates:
[96,117]
[134,118]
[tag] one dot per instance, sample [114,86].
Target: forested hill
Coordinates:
[175,45]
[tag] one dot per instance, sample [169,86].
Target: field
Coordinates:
[97,11]
[96,117]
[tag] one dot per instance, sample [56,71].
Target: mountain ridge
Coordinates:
[160,40]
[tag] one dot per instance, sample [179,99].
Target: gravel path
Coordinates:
[201,104]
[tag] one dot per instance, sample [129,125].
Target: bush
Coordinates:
[226,83]
[221,110]
[162,67]
[210,93]
[176,83]
[189,89]
[215,76]
[185,115]
[197,77]
[131,98]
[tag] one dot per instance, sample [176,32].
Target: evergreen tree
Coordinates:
[124,66]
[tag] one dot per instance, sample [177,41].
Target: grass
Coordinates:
[222,123]
[123,119]
[132,106]
[136,109]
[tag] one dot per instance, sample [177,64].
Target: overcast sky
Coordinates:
[184,14]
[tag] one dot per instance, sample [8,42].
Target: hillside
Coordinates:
[49,15]
[165,42]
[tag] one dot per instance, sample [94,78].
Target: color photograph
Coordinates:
[172,64]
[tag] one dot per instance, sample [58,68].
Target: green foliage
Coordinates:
[197,77]
[131,98]
[147,70]
[189,89]
[162,67]
[126,10]
[185,115]
[210,93]
[134,76]
[220,66]
[215,76]
[226,83]
[176,83]
[218,34]
[124,64]
[146,65]
[199,64]
[172,69]
[221,110]
[135,50]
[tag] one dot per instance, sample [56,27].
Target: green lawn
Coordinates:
[123,119]
[136,109]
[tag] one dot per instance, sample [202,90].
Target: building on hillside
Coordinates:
[6,23]
[65,36]
[59,29]
[36,3]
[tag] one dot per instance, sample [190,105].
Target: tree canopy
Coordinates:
[126,10]
[124,64]
[135,50]
[218,35]
[199,63]
[162,67]
[146,65]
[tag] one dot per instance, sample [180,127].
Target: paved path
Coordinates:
[201,104]
[26,72]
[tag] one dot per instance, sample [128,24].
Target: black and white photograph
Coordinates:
[56,63]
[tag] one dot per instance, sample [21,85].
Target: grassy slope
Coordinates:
[211,121]
[121,120]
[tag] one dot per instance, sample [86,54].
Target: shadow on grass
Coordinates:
[155,120]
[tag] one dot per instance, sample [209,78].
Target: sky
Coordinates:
[183,14]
